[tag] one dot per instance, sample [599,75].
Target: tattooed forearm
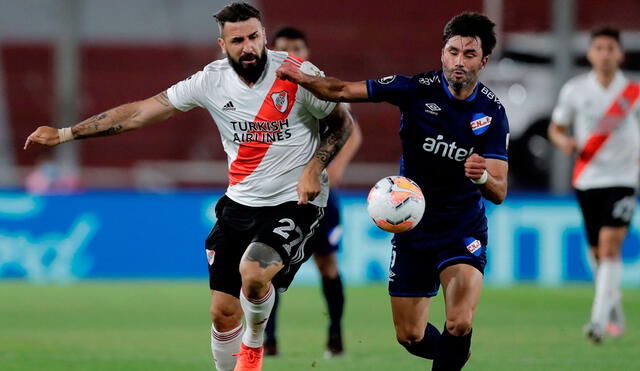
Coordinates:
[108,123]
[263,254]
[163,99]
[340,125]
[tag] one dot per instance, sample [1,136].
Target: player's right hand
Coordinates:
[45,135]
[287,71]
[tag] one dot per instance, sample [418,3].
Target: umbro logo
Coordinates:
[229,107]
[432,108]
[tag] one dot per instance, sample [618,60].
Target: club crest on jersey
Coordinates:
[480,123]
[280,100]
[210,256]
[473,245]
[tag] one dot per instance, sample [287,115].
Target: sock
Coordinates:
[270,331]
[428,346]
[616,314]
[454,351]
[607,281]
[223,345]
[334,295]
[256,314]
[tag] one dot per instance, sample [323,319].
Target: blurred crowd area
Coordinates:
[128,50]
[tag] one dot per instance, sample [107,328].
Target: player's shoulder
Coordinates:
[429,79]
[219,66]
[488,98]
[577,82]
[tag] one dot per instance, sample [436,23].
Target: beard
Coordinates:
[250,73]
[458,84]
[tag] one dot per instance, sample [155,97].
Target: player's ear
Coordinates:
[222,45]
[485,60]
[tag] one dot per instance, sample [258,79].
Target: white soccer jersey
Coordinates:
[269,131]
[609,158]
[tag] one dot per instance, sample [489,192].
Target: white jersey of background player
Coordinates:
[602,107]
[582,104]
[267,149]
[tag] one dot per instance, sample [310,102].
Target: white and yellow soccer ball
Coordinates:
[396,204]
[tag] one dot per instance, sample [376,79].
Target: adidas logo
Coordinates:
[228,107]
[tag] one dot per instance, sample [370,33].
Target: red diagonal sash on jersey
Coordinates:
[276,106]
[606,126]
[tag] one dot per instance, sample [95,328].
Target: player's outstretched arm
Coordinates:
[325,88]
[117,120]
[558,135]
[490,175]
[339,126]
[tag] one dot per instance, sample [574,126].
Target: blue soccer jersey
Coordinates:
[438,133]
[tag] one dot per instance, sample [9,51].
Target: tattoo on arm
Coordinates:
[104,124]
[262,253]
[339,125]
[163,99]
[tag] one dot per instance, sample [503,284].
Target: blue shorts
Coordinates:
[326,239]
[415,272]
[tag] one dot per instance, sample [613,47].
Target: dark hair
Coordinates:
[470,24]
[290,33]
[236,12]
[607,31]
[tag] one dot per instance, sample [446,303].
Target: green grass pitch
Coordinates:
[164,325]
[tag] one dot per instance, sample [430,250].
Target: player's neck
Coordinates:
[605,77]
[463,93]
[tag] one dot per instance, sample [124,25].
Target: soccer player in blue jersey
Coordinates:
[454,134]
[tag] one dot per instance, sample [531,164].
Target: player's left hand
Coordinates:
[475,166]
[308,187]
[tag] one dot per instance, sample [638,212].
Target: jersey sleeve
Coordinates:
[188,93]
[497,142]
[390,89]
[564,111]
[317,107]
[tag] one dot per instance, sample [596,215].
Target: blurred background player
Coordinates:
[454,134]
[277,182]
[326,241]
[602,109]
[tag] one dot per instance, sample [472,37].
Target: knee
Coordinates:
[225,318]
[254,281]
[409,335]
[327,265]
[459,325]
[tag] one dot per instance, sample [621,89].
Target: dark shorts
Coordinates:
[326,240]
[415,272]
[606,207]
[286,227]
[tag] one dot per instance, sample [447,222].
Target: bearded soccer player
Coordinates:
[277,182]
[326,241]
[454,134]
[602,107]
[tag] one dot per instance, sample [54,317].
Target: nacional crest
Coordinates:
[280,100]
[473,245]
[480,123]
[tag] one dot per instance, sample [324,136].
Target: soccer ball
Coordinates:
[395,204]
